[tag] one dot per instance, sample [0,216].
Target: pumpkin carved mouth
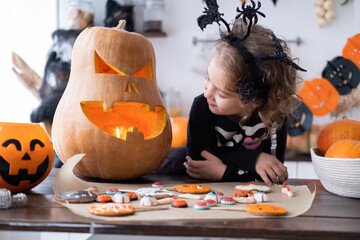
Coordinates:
[124,117]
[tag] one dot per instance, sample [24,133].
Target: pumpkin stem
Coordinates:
[121,24]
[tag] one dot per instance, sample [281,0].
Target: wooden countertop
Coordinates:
[330,217]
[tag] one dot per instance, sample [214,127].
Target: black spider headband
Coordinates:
[249,88]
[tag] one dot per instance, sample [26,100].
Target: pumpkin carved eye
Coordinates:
[102,67]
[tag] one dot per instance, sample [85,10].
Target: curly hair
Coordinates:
[281,98]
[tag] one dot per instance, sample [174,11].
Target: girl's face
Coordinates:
[221,100]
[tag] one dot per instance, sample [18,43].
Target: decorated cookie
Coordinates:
[192,188]
[132,196]
[265,210]
[121,197]
[210,202]
[179,203]
[157,184]
[104,198]
[93,189]
[158,193]
[286,191]
[201,206]
[221,195]
[112,191]
[76,197]
[111,209]
[253,187]
[213,196]
[228,201]
[241,193]
[190,196]
[249,199]
[261,197]
[148,201]
[165,200]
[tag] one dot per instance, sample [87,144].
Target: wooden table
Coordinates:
[330,217]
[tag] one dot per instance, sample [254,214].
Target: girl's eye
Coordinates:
[221,95]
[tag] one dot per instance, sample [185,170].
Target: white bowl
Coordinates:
[338,175]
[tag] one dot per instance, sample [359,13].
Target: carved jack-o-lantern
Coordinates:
[112,109]
[320,96]
[26,156]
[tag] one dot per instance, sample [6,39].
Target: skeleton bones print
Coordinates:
[249,136]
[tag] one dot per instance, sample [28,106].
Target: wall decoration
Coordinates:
[343,74]
[324,12]
[301,120]
[320,96]
[352,48]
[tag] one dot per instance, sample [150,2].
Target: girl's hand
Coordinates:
[212,168]
[267,166]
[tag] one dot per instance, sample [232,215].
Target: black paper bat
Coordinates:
[211,15]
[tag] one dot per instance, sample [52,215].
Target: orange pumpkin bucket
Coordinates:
[26,156]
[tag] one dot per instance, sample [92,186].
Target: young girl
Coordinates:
[237,128]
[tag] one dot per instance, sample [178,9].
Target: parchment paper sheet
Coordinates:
[66,181]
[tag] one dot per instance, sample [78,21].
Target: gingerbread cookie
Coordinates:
[253,187]
[111,209]
[265,210]
[158,193]
[76,197]
[192,188]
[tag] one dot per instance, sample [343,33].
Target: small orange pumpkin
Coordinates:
[344,149]
[26,156]
[338,130]
[179,131]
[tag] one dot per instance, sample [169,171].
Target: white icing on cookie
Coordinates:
[261,197]
[250,187]
[121,198]
[153,191]
[148,201]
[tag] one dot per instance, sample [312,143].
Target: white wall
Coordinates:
[29,27]
[26,28]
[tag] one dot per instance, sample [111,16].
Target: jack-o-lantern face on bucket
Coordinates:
[320,96]
[26,156]
[112,109]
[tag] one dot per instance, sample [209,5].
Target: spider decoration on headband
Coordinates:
[254,87]
[250,13]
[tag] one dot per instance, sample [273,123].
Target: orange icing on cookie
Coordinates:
[111,209]
[265,209]
[192,188]
[179,203]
